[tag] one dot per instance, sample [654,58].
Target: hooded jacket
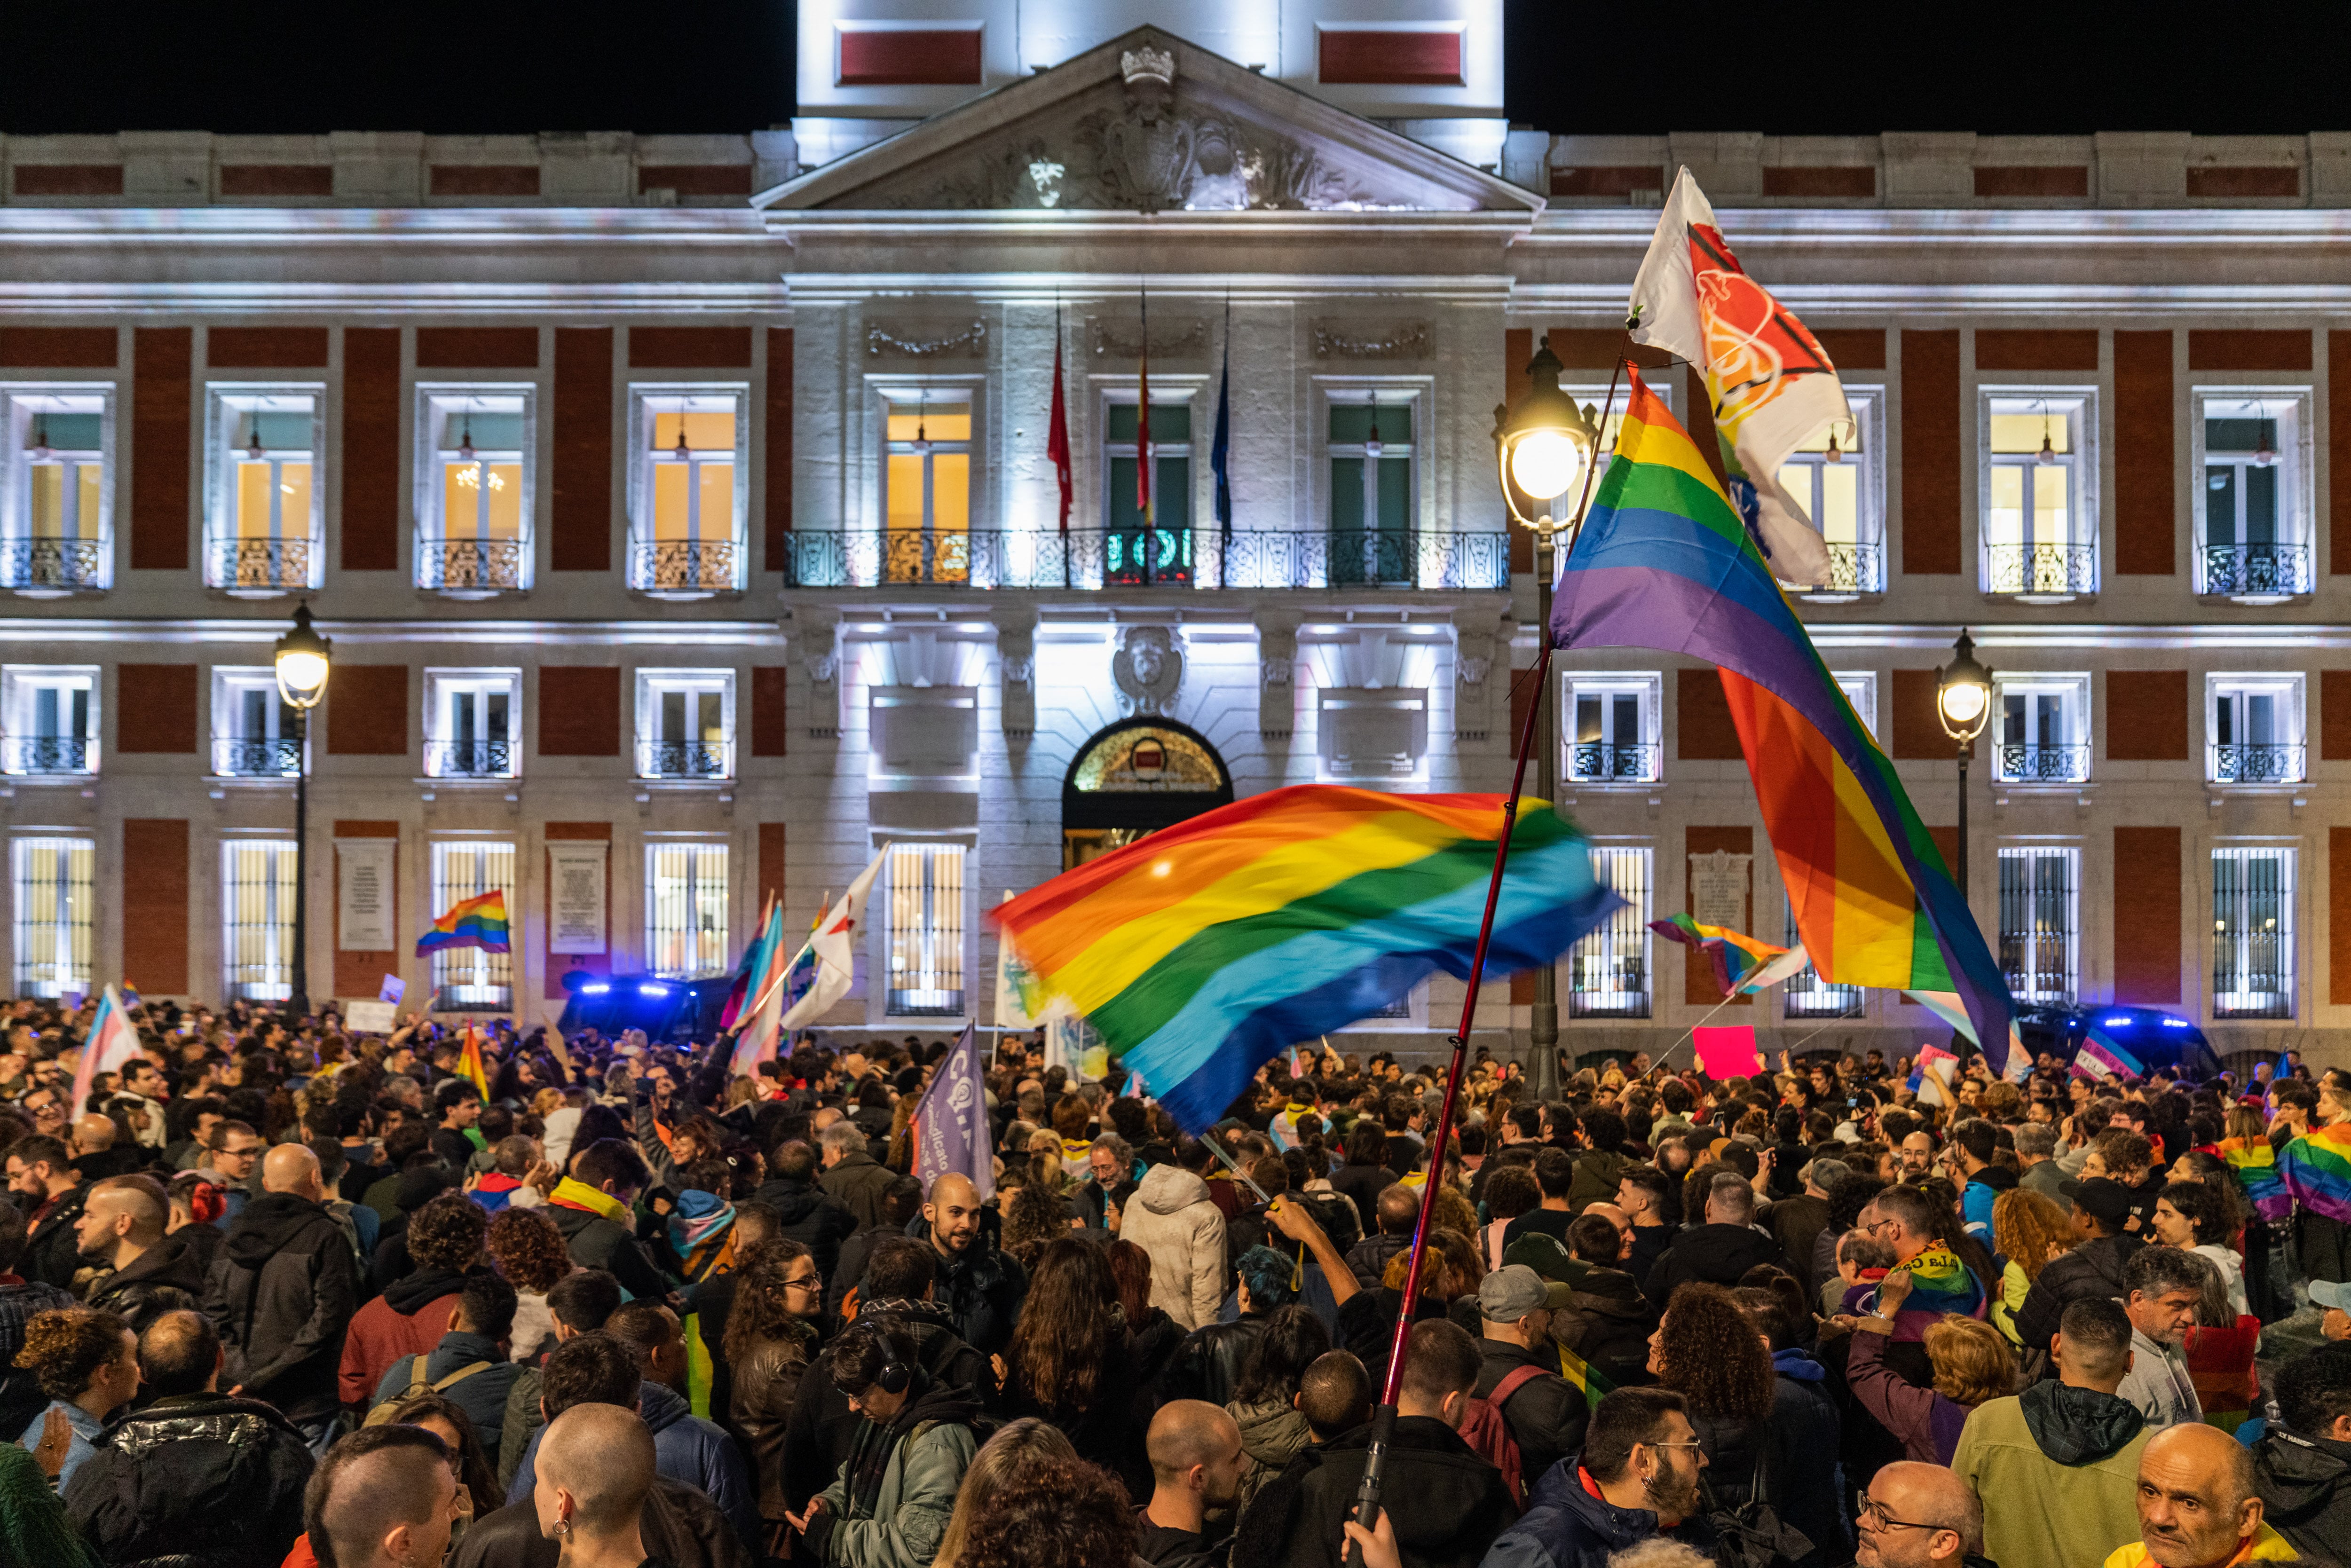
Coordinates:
[2093,1269]
[1983,1189]
[1272,1434]
[685,1447]
[1566,1527]
[167,1277]
[2064,1461]
[907,1515]
[1173,1218]
[2305,1489]
[823,1428]
[196,1480]
[597,1240]
[482,1396]
[408,1318]
[1718,1254]
[280,1295]
[1446,1504]
[1607,1323]
[806,1215]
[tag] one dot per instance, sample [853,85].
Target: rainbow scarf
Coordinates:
[1939,1284]
[1208,947]
[478,922]
[2256,1166]
[1665,561]
[571,1193]
[2316,1171]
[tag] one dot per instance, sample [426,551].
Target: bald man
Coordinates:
[142,1272]
[281,1293]
[2197,1505]
[386,1497]
[980,1286]
[1918,1516]
[595,1466]
[1196,1463]
[95,1154]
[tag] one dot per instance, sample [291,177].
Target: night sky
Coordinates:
[505,66]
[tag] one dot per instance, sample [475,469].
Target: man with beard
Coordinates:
[142,1273]
[2197,1505]
[2162,1286]
[895,1493]
[981,1287]
[1638,1477]
[44,1184]
[1196,1463]
[1918,1516]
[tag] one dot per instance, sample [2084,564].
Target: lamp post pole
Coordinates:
[1963,704]
[1542,1025]
[304,660]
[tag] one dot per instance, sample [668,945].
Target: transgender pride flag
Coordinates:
[109,1045]
[2101,1056]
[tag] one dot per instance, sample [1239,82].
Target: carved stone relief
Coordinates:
[1148,670]
[925,341]
[1354,340]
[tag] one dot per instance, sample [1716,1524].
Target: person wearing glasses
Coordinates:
[1636,1479]
[1918,1516]
[770,1336]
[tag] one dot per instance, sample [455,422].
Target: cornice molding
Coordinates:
[552,301]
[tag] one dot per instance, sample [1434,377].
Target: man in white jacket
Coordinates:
[1173,1218]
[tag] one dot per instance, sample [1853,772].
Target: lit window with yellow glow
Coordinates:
[926,486]
[264,515]
[2038,540]
[690,494]
[474,489]
[59,496]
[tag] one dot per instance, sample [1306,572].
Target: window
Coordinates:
[57,916]
[473,717]
[1372,489]
[2040,924]
[2044,730]
[467,978]
[474,487]
[264,510]
[1612,733]
[1837,479]
[1608,970]
[685,910]
[257,917]
[1860,689]
[1158,548]
[2253,933]
[2040,539]
[926,486]
[925,935]
[2253,535]
[686,723]
[60,494]
[2253,727]
[51,720]
[690,480]
[1806,996]
[254,734]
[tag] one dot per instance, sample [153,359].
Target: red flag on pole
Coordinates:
[1057,437]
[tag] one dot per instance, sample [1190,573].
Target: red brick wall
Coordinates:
[477,348]
[686,348]
[2145,535]
[778,513]
[267,348]
[155,708]
[2000,350]
[769,732]
[579,710]
[1931,453]
[2146,908]
[58,348]
[1917,728]
[371,450]
[162,420]
[155,883]
[367,711]
[1703,730]
[584,450]
[2146,715]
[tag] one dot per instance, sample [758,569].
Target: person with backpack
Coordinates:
[1523,1415]
[469,1365]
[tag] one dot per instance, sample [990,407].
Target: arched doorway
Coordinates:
[1135,778]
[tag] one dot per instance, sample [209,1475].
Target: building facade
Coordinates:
[683,513]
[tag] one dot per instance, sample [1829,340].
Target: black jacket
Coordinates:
[1567,1527]
[807,1215]
[165,1278]
[2094,1269]
[1717,1254]
[857,1184]
[981,1288]
[1607,1323]
[198,1480]
[52,1252]
[1546,1418]
[681,1526]
[281,1294]
[1210,1362]
[824,1427]
[1363,1184]
[595,1242]
[2306,1490]
[1447,1505]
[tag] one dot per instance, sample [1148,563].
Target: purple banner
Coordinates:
[951,1129]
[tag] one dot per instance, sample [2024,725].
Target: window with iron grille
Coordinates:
[2040,923]
[2044,730]
[255,735]
[465,978]
[1806,996]
[55,915]
[257,917]
[56,507]
[264,505]
[472,724]
[686,723]
[2253,512]
[50,713]
[2253,933]
[2254,729]
[1608,970]
[1611,733]
[925,935]
[685,909]
[689,490]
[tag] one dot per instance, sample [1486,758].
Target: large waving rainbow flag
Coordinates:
[1210,946]
[1665,561]
[2316,1171]
[477,922]
[2254,1163]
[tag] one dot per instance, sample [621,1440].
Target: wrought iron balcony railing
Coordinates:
[258,565]
[2262,569]
[683,566]
[2040,568]
[48,754]
[1854,568]
[1599,761]
[2262,764]
[237,757]
[470,566]
[469,759]
[2020,763]
[54,566]
[684,760]
[1094,559]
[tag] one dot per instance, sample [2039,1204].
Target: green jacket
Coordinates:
[2048,1515]
[911,1512]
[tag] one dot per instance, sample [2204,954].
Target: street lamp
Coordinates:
[1543,448]
[304,660]
[1963,703]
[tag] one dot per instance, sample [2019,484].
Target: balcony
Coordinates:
[1094,558]
[2025,763]
[45,565]
[2030,571]
[683,566]
[470,566]
[2262,571]
[258,566]
[48,754]
[2264,763]
[235,757]
[1853,569]
[1601,762]
[469,759]
[684,760]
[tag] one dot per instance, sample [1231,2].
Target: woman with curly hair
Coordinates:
[1028,1501]
[771,1338]
[1706,1351]
[2027,1231]
[1022,1455]
[1034,1219]
[528,1250]
[88,1364]
[1067,1363]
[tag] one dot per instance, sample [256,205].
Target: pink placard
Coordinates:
[1728,1051]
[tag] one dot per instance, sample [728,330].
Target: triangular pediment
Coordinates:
[1107,132]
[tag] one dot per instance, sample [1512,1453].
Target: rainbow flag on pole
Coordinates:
[1212,946]
[2255,1163]
[1665,561]
[2316,1171]
[469,1062]
[1734,954]
[477,922]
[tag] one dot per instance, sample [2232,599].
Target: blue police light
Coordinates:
[2120,1021]
[653,990]
[2175,1023]
[597,990]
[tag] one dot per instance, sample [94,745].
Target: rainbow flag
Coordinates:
[1594,1386]
[1939,1284]
[1210,946]
[2316,1171]
[478,922]
[2255,1163]
[1665,561]
[1734,954]
[469,1062]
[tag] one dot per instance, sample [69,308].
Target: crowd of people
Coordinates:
[278,1293]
